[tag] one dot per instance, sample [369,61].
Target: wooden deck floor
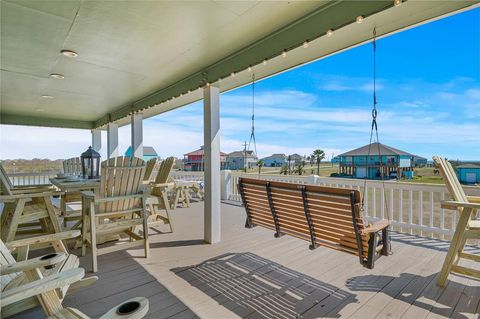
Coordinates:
[251,274]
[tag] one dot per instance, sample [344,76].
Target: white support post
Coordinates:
[96,140]
[112,140]
[211,136]
[137,135]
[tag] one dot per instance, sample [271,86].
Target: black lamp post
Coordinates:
[90,163]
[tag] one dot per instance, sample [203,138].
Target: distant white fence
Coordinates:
[412,207]
[21,179]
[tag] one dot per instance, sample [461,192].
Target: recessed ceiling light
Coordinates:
[329,33]
[69,53]
[47,96]
[39,110]
[360,19]
[397,2]
[57,76]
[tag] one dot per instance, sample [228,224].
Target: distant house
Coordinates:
[295,159]
[358,164]
[194,161]
[468,173]
[275,160]
[148,152]
[419,161]
[241,159]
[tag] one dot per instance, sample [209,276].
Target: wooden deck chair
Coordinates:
[16,273]
[467,227]
[43,290]
[27,212]
[325,216]
[118,209]
[158,199]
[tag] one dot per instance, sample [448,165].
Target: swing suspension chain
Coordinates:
[375,128]
[252,135]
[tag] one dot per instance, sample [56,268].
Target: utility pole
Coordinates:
[333,154]
[245,156]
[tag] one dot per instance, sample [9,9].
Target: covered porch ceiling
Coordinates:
[153,56]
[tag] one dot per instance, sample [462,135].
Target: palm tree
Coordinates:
[260,164]
[318,155]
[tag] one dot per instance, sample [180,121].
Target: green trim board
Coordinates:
[12,119]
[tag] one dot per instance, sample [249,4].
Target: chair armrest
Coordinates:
[473,199]
[450,204]
[376,227]
[31,195]
[48,238]
[40,286]
[153,185]
[39,262]
[32,188]
[88,194]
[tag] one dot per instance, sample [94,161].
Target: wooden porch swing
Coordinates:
[325,216]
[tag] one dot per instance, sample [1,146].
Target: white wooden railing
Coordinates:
[31,178]
[411,207]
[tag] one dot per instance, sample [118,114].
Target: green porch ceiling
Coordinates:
[136,55]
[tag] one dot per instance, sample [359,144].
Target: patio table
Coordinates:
[70,187]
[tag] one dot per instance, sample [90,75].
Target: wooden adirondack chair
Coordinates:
[119,208]
[158,195]
[15,274]
[43,290]
[467,226]
[28,211]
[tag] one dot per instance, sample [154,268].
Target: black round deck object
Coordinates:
[49,256]
[128,308]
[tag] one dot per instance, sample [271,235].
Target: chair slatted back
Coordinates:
[150,166]
[163,174]
[121,176]
[323,215]
[450,177]
[6,185]
[6,258]
[72,166]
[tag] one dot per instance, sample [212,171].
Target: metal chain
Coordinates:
[252,135]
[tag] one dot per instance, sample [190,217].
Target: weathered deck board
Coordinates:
[251,274]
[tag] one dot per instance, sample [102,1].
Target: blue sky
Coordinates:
[428,101]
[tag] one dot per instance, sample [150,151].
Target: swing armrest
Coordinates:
[376,227]
[34,263]
[161,185]
[48,238]
[30,195]
[450,204]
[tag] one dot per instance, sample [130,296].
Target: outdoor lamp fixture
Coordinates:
[90,163]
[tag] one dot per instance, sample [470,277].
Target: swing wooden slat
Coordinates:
[325,216]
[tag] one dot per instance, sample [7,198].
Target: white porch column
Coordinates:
[112,140]
[137,135]
[96,140]
[211,136]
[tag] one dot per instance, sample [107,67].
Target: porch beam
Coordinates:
[112,140]
[137,135]
[96,140]
[211,136]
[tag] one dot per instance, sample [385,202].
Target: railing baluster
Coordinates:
[442,216]
[410,210]
[430,222]
[400,208]
[382,202]
[420,218]
[391,204]
[374,202]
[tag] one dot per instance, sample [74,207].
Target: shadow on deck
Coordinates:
[252,286]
